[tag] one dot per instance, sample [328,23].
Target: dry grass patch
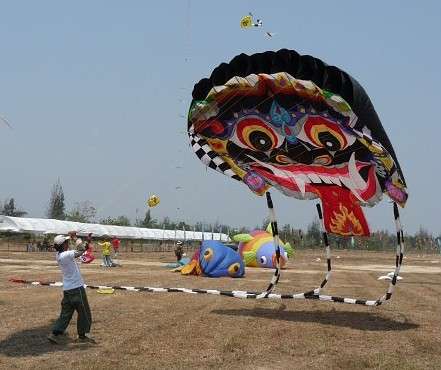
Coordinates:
[145,330]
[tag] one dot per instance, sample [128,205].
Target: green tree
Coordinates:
[168,224]
[422,238]
[313,234]
[182,224]
[149,221]
[9,209]
[286,233]
[118,221]
[82,212]
[56,208]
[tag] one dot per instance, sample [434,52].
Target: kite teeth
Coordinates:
[314,178]
[300,181]
[327,179]
[351,186]
[354,174]
[335,180]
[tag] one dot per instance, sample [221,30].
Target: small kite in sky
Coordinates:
[153,201]
[248,21]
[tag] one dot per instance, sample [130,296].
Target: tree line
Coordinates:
[85,212]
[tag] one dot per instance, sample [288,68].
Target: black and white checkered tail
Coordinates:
[275,231]
[226,293]
[327,248]
[398,257]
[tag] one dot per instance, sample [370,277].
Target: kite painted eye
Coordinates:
[234,269]
[323,133]
[208,254]
[283,159]
[323,160]
[255,134]
[263,260]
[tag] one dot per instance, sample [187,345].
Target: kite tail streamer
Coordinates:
[275,232]
[228,293]
[398,256]
[328,250]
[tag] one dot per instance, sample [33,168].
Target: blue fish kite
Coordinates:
[214,259]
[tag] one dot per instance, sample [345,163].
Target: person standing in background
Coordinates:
[105,251]
[179,251]
[115,244]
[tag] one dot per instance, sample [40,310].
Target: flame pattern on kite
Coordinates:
[345,223]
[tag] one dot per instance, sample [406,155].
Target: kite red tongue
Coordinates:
[342,214]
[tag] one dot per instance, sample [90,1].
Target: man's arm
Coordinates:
[81,247]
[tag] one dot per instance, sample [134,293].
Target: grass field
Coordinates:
[175,330]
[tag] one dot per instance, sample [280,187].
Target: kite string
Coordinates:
[5,121]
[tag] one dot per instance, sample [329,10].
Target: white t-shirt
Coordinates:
[71,272]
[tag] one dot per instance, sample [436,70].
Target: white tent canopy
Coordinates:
[48,226]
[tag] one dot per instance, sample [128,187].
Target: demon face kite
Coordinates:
[308,129]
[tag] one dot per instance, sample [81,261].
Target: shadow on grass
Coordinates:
[420,282]
[34,342]
[356,320]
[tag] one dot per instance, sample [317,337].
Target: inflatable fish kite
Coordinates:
[214,259]
[257,249]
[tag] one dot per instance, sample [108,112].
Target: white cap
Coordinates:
[179,242]
[60,239]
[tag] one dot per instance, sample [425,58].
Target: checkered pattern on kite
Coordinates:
[227,293]
[210,158]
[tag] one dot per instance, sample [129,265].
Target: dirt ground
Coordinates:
[176,330]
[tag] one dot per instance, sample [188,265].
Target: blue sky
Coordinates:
[95,91]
